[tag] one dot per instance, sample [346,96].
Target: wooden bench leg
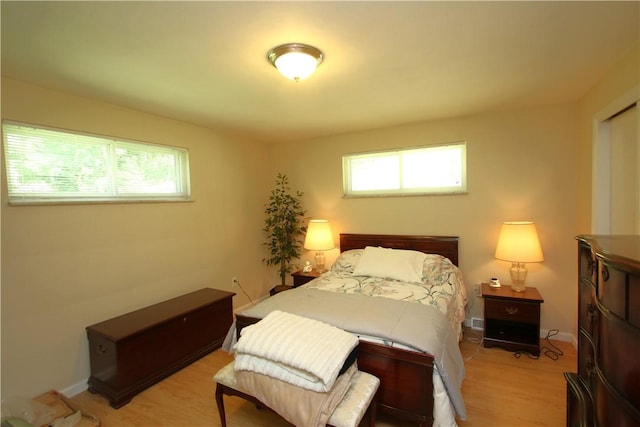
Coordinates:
[220,402]
[373,410]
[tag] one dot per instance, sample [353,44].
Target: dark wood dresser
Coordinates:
[606,389]
[134,351]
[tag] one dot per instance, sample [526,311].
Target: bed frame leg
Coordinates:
[220,402]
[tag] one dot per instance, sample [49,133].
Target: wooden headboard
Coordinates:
[446,246]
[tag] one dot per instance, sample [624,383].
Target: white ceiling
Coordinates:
[386,63]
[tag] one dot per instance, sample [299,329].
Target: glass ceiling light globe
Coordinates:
[296,65]
[295,61]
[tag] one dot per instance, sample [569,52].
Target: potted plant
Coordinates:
[284,226]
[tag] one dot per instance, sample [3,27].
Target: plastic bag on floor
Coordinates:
[29,410]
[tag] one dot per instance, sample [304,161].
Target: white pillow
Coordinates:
[397,264]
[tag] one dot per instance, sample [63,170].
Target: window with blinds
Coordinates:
[46,165]
[437,169]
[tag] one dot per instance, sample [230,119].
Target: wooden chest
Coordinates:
[134,351]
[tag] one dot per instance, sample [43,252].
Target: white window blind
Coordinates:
[51,165]
[425,170]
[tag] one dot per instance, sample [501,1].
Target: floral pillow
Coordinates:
[347,261]
[435,266]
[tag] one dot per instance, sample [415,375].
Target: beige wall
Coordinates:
[68,266]
[521,166]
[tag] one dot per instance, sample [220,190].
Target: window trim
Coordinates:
[400,192]
[181,155]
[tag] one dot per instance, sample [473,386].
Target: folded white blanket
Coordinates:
[298,406]
[304,352]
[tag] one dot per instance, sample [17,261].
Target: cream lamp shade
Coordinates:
[518,243]
[319,238]
[295,61]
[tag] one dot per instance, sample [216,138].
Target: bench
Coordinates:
[362,395]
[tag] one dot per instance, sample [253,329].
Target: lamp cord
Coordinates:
[552,352]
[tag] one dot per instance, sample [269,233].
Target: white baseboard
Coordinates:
[75,389]
[560,336]
[239,309]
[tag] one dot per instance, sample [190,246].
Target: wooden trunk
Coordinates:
[134,351]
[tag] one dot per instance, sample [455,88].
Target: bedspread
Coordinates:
[442,287]
[389,319]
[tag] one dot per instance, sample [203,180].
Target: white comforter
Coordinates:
[295,349]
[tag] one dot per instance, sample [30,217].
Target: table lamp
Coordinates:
[319,238]
[518,243]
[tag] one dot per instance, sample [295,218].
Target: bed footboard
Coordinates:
[406,378]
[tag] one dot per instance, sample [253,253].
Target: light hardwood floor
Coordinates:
[499,390]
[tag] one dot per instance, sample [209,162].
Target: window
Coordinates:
[46,165]
[437,169]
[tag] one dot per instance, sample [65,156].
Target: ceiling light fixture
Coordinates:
[295,61]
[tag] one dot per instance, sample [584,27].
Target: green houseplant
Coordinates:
[284,226]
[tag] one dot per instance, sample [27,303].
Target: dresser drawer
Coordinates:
[612,289]
[612,409]
[618,348]
[516,311]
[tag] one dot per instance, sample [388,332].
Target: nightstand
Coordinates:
[512,319]
[278,289]
[300,277]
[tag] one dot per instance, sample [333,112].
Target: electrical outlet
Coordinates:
[234,282]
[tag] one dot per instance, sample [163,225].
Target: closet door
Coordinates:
[625,172]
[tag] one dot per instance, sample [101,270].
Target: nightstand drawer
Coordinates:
[301,280]
[517,311]
[301,277]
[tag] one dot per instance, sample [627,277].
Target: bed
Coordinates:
[391,327]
